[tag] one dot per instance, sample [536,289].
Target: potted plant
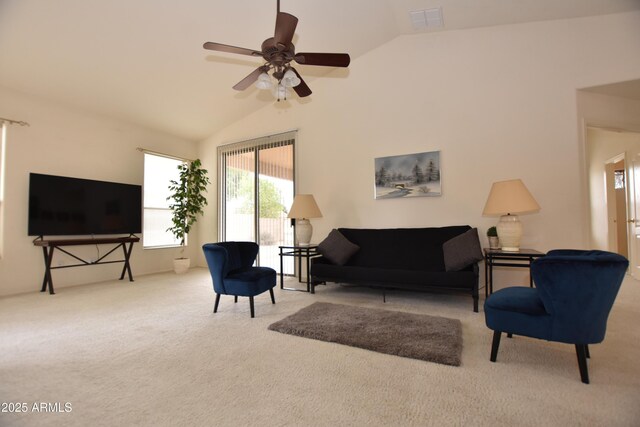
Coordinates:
[492,234]
[187,202]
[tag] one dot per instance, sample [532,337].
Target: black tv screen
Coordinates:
[63,206]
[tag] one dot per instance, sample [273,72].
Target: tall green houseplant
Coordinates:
[187,198]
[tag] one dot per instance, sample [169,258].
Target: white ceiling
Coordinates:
[142,61]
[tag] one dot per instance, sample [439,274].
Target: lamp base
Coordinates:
[304,231]
[509,232]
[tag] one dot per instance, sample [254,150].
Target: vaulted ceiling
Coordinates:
[142,61]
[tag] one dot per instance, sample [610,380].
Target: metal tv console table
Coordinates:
[48,247]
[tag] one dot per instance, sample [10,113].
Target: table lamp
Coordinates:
[509,198]
[304,207]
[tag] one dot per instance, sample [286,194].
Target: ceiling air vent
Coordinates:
[425,19]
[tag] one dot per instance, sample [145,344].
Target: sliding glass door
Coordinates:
[256,192]
[239,196]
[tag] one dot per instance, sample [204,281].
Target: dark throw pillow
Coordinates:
[462,251]
[337,248]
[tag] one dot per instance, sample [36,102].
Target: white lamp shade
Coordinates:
[304,206]
[290,79]
[264,81]
[510,197]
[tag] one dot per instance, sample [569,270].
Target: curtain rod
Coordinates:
[14,122]
[157,153]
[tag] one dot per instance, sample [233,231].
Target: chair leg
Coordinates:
[273,299]
[494,345]
[235,298]
[509,335]
[251,306]
[581,352]
[586,348]
[215,306]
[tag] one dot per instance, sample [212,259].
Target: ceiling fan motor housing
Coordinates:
[277,54]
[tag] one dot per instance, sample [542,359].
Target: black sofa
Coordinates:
[401,258]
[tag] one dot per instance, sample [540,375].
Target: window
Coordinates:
[158,172]
[618,179]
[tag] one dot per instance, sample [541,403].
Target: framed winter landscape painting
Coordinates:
[409,175]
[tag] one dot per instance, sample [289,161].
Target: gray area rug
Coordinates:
[417,336]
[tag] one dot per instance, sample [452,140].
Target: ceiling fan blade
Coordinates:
[302,89]
[248,81]
[230,49]
[326,59]
[285,28]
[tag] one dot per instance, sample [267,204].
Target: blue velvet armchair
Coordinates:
[574,293]
[232,271]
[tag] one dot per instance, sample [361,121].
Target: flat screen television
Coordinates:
[64,206]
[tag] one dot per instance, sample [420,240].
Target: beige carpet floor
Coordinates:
[151,353]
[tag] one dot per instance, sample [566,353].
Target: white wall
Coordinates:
[64,141]
[498,102]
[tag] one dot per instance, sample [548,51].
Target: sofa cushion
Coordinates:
[406,279]
[337,248]
[250,281]
[516,298]
[462,250]
[512,309]
[401,248]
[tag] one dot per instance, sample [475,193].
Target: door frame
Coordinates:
[612,206]
[632,171]
[634,254]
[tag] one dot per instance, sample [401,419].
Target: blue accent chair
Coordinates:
[574,293]
[232,271]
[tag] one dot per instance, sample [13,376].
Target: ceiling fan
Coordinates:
[278,52]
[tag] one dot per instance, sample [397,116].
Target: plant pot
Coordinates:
[181,265]
[494,242]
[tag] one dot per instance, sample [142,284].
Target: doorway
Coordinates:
[613,158]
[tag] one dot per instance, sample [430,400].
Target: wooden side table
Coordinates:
[500,258]
[298,252]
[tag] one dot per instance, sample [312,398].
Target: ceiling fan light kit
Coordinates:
[278,52]
[264,81]
[280,92]
[290,79]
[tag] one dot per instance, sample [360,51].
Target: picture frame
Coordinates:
[408,175]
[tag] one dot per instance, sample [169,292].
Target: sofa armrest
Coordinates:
[320,260]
